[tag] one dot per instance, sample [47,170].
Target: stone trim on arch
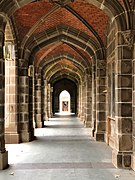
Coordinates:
[114,10]
[63,68]
[57,59]
[81,58]
[61,55]
[53,65]
[61,33]
[60,75]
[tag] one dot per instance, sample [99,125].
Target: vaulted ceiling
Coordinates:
[59,35]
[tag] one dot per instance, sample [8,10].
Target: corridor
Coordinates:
[62,150]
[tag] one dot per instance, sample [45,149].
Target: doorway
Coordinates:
[64,105]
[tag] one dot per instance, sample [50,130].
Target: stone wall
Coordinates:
[110,92]
[133,124]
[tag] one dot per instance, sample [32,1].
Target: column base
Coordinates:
[133,162]
[46,118]
[92,132]
[11,138]
[27,136]
[3,160]
[87,124]
[82,118]
[121,159]
[99,136]
[40,124]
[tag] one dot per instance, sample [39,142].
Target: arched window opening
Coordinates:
[65,102]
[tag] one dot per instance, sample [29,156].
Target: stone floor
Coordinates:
[63,150]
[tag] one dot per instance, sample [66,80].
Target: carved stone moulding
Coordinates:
[129,37]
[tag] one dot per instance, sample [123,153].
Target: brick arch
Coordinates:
[58,76]
[111,8]
[66,71]
[64,84]
[53,50]
[60,61]
[57,34]
[61,68]
[114,10]
[62,64]
[65,74]
[53,10]
[80,63]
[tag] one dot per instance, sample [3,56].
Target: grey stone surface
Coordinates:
[65,150]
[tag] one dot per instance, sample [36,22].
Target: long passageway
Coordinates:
[63,150]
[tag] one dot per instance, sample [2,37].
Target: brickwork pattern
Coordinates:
[62,16]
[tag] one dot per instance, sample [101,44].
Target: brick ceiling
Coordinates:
[26,17]
[82,18]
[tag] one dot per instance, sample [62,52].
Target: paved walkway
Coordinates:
[63,150]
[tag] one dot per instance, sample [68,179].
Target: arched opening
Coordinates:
[58,87]
[64,102]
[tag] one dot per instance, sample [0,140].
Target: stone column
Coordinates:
[93,99]
[33,93]
[25,124]
[79,100]
[100,100]
[83,100]
[88,101]
[49,101]
[11,102]
[3,152]
[123,106]
[38,111]
[45,101]
[31,103]
[133,156]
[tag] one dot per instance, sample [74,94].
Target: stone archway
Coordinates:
[64,102]
[71,88]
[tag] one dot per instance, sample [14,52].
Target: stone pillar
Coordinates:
[31,103]
[133,156]
[3,152]
[49,101]
[45,101]
[83,100]
[100,100]
[79,100]
[25,124]
[11,102]
[122,151]
[38,111]
[93,99]
[33,93]
[88,101]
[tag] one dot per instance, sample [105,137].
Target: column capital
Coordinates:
[101,64]
[128,37]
